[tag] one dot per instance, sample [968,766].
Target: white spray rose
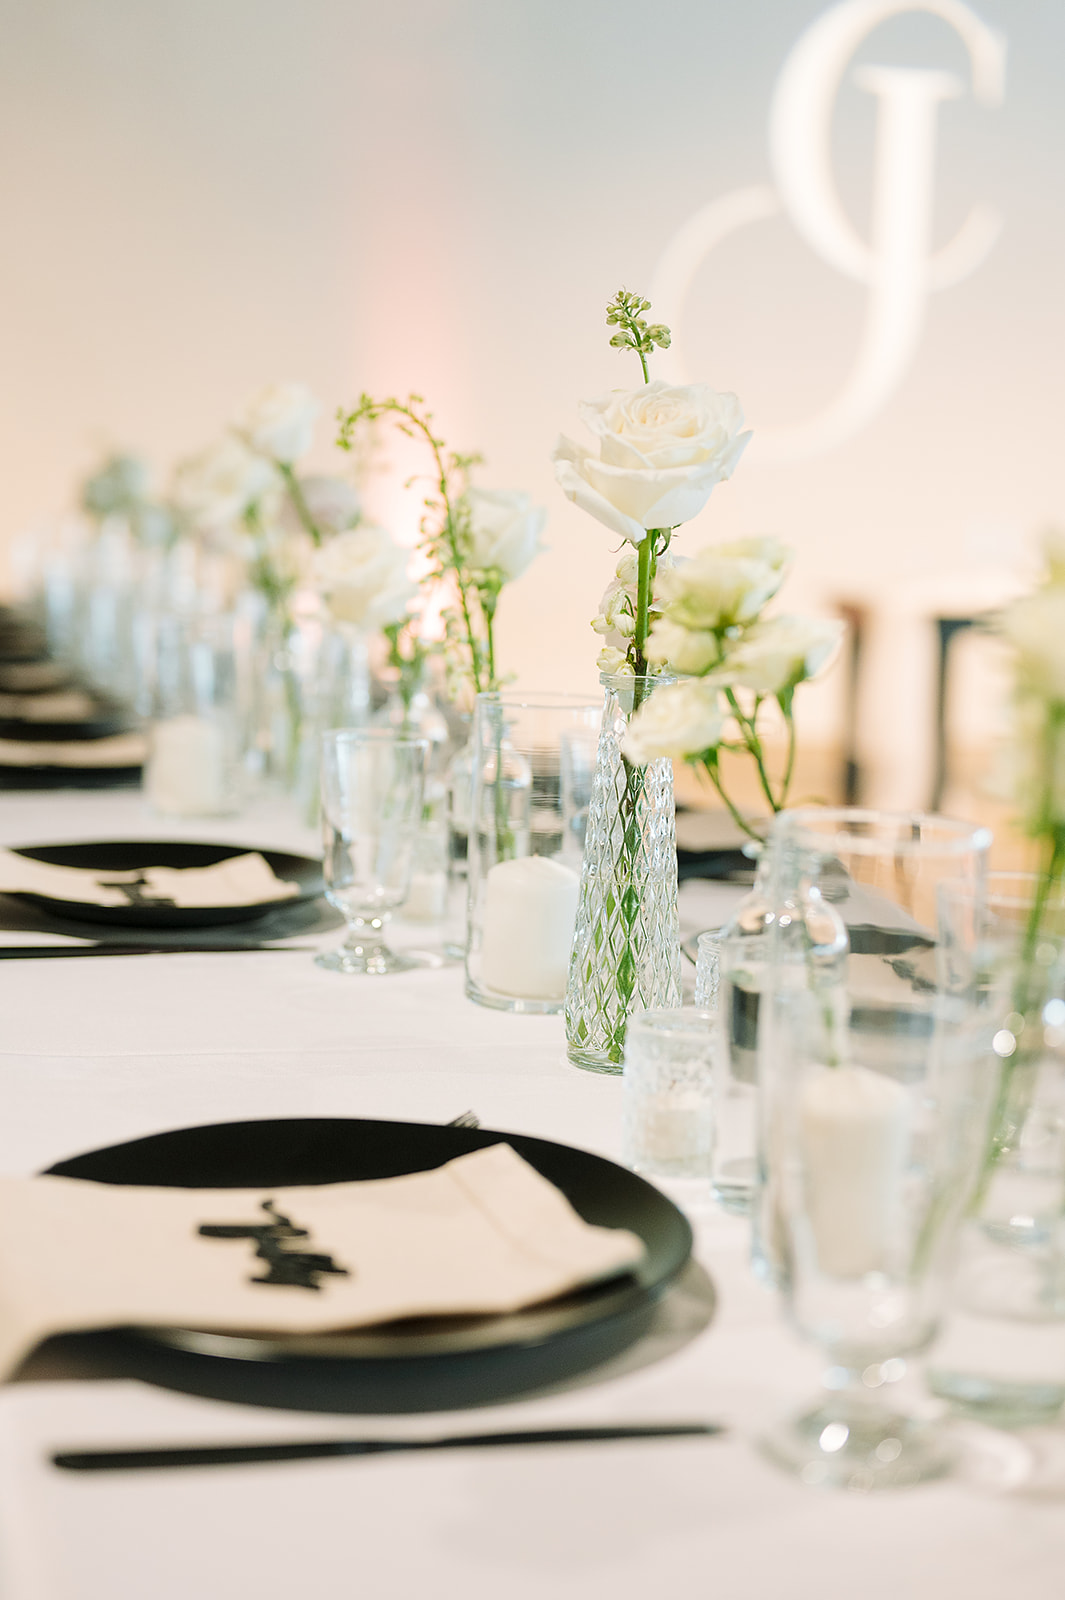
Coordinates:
[679,720]
[278,421]
[616,619]
[661,452]
[689,650]
[505,529]
[776,655]
[362,576]
[217,486]
[1035,626]
[720,590]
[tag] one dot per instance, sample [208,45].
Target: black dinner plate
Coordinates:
[416,1365]
[126,856]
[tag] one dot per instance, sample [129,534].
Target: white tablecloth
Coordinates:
[95,1051]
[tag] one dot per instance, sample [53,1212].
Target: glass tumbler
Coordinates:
[373,785]
[668,1093]
[200,695]
[873,1124]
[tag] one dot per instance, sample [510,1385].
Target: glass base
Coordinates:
[999,1402]
[374,960]
[860,1449]
[521,1005]
[733,1198]
[592,1060]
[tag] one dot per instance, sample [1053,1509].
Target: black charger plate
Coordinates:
[135,855]
[425,1365]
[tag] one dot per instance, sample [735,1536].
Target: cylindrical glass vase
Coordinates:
[523,880]
[626,946]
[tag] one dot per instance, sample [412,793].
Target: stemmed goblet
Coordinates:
[373,787]
[873,1126]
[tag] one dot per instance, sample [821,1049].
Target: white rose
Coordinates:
[679,720]
[332,502]
[362,576]
[661,452]
[777,654]
[689,650]
[217,486]
[505,529]
[278,421]
[1035,626]
[715,590]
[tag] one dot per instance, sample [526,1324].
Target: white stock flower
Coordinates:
[690,650]
[217,486]
[617,612]
[278,421]
[679,720]
[362,577]
[661,452]
[614,662]
[1035,626]
[718,589]
[777,654]
[505,529]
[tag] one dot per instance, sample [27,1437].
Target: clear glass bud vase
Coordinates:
[626,944]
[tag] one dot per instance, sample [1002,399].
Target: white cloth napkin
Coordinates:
[121,750]
[244,880]
[63,705]
[483,1234]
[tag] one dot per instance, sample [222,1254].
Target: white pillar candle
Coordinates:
[530,907]
[854,1133]
[427,900]
[186,772]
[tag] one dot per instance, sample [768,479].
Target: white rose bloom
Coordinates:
[693,651]
[362,576]
[1035,626]
[505,529]
[661,452]
[278,421]
[718,591]
[777,654]
[217,486]
[679,720]
[332,502]
[772,551]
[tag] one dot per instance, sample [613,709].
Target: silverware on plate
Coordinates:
[221,1455]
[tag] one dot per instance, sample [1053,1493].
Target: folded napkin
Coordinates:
[483,1234]
[120,750]
[61,705]
[245,880]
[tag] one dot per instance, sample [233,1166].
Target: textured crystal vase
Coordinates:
[626,946]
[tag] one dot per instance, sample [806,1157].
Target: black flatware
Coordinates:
[221,1455]
[33,952]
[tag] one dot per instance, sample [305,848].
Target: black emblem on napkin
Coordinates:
[295,1269]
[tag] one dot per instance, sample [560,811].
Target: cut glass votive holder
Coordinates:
[668,1093]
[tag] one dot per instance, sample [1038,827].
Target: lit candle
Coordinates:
[853,1128]
[529,910]
[186,771]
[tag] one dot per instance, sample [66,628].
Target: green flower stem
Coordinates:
[789,765]
[299,501]
[629,907]
[754,745]
[710,768]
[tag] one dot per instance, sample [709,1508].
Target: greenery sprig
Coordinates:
[445,538]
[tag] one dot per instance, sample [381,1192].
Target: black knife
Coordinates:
[220,1455]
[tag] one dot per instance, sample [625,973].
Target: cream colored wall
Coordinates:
[442,194]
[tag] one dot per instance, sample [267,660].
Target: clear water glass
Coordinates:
[873,1127]
[373,786]
[668,1093]
[198,681]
